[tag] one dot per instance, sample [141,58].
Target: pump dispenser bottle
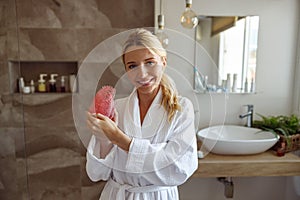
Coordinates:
[62,84]
[52,83]
[42,84]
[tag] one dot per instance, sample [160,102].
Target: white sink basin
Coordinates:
[236,140]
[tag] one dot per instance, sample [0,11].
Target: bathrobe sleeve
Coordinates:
[96,168]
[171,162]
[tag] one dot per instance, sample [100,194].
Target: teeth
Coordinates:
[143,82]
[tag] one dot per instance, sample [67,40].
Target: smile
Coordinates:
[145,83]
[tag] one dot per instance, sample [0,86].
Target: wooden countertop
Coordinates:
[264,164]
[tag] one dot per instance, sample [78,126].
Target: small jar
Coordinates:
[26,89]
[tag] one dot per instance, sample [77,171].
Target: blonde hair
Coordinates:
[143,37]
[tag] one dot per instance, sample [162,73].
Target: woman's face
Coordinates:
[144,69]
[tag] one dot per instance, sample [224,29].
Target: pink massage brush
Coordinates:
[103,102]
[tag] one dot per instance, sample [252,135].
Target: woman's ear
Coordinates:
[164,61]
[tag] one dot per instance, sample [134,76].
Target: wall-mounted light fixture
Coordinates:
[162,36]
[189,18]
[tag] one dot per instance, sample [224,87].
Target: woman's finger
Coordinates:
[100,116]
[116,115]
[91,126]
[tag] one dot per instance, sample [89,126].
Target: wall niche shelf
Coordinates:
[31,70]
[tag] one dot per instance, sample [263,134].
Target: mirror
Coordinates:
[231,42]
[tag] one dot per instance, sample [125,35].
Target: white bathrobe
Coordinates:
[162,155]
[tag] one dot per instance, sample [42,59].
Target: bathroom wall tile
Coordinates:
[89,190]
[7,14]
[37,14]
[3,44]
[53,163]
[18,137]
[11,113]
[13,169]
[136,13]
[54,174]
[61,14]
[49,138]
[3,7]
[88,39]
[22,178]
[47,44]
[87,15]
[58,184]
[12,44]
[8,166]
[10,13]
[55,113]
[4,78]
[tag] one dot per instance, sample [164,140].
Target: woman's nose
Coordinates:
[142,71]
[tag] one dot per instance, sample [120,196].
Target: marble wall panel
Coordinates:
[11,113]
[48,44]
[53,163]
[3,44]
[56,113]
[4,79]
[128,14]
[10,13]
[12,48]
[3,7]
[10,170]
[36,14]
[45,139]
[57,183]
[18,137]
[89,190]
[61,14]
[22,178]
[88,39]
[7,14]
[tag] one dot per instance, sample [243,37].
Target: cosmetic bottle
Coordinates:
[21,85]
[62,84]
[246,86]
[32,87]
[73,83]
[252,86]
[234,83]
[228,83]
[52,83]
[42,83]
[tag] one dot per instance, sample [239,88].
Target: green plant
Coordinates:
[279,125]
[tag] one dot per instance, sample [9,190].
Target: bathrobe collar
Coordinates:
[154,120]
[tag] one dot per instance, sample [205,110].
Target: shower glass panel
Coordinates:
[13,166]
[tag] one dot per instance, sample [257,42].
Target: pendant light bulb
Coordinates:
[160,34]
[189,18]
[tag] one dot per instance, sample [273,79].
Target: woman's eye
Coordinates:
[150,63]
[131,66]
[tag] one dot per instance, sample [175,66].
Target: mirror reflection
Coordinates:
[231,42]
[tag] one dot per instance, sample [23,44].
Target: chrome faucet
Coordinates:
[249,115]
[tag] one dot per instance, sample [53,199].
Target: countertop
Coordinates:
[263,164]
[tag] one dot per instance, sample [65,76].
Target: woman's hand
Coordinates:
[105,128]
[93,124]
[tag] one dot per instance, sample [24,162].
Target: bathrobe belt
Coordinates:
[135,189]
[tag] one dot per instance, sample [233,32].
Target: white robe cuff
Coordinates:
[98,169]
[137,154]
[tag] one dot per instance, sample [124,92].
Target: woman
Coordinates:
[150,146]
